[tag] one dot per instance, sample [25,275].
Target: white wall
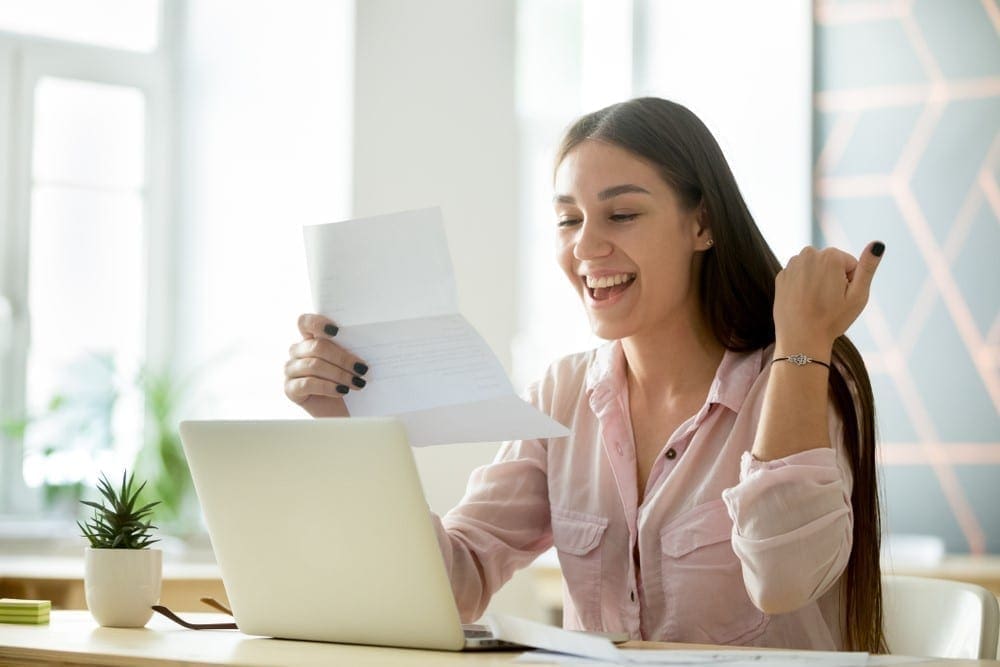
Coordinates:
[434,125]
[745,68]
[263,148]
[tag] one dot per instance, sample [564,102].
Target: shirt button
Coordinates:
[619,450]
[671,454]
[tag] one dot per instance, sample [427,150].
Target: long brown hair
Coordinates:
[737,298]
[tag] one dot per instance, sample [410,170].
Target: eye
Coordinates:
[623,217]
[567,222]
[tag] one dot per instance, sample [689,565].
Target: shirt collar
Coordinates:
[734,377]
[606,373]
[730,386]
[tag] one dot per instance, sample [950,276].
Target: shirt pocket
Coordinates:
[577,537]
[703,580]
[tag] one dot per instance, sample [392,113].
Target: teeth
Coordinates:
[608,281]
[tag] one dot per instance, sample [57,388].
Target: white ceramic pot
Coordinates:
[122,585]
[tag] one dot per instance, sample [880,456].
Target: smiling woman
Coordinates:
[629,247]
[710,491]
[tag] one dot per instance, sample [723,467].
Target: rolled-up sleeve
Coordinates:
[502,523]
[792,524]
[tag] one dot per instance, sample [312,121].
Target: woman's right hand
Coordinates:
[319,373]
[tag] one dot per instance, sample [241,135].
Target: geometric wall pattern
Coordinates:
[907,150]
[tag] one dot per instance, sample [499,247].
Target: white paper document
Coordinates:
[551,638]
[565,647]
[387,282]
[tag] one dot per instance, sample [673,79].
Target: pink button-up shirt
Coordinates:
[718,537]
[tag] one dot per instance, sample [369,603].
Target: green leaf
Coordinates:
[104,486]
[124,494]
[115,523]
[14,428]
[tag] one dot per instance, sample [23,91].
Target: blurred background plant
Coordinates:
[161,460]
[71,437]
[106,418]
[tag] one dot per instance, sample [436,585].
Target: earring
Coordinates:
[710,243]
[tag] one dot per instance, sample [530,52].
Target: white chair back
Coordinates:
[939,618]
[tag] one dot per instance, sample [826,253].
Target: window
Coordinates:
[83,161]
[86,282]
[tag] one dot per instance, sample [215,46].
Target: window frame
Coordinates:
[24,60]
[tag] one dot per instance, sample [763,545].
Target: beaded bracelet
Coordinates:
[801,360]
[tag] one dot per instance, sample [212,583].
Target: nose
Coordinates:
[589,242]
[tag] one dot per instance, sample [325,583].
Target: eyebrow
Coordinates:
[604,194]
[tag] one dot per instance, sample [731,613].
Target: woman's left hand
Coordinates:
[818,296]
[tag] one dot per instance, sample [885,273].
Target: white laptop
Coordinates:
[322,532]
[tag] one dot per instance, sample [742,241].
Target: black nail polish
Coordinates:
[342,389]
[330,330]
[360,368]
[358,382]
[878,248]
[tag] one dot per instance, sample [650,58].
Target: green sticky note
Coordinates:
[40,619]
[10,604]
[25,612]
[22,612]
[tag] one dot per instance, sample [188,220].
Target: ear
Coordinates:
[701,229]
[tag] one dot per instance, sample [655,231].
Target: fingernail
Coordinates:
[878,248]
[358,382]
[342,389]
[330,330]
[360,368]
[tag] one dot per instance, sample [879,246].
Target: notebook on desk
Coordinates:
[322,532]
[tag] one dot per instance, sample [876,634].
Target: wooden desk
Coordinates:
[61,581]
[73,638]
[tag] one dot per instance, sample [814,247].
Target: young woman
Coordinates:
[719,483]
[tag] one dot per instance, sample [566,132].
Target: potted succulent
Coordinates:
[122,575]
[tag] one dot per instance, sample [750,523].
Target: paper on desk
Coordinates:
[550,638]
[387,282]
[566,647]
